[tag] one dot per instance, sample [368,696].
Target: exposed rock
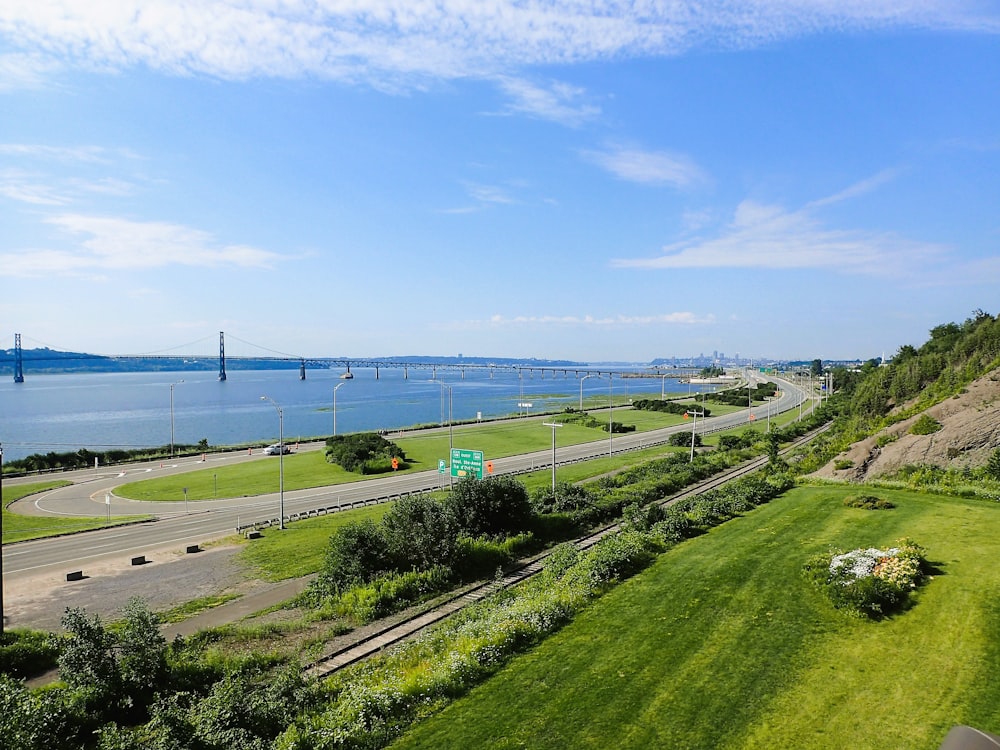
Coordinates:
[970,432]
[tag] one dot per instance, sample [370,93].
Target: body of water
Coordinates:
[99,411]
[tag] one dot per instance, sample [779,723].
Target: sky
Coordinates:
[616,181]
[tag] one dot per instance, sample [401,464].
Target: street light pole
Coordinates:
[694,413]
[451,439]
[611,415]
[335,406]
[768,399]
[553,425]
[581,388]
[172,416]
[663,380]
[281,462]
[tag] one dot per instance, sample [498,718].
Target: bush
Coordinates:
[925,425]
[492,506]
[683,440]
[843,463]
[870,583]
[365,452]
[356,553]
[868,502]
[26,653]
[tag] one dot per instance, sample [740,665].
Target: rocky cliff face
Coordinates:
[970,432]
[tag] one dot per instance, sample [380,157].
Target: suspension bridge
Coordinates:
[45,358]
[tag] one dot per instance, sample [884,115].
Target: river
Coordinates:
[99,411]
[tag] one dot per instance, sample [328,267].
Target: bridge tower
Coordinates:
[302,369]
[222,355]
[18,361]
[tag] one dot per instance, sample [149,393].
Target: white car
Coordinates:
[276,449]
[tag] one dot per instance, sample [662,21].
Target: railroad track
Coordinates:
[392,634]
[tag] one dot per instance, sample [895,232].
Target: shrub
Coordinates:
[25,653]
[843,463]
[925,425]
[870,583]
[365,452]
[355,554]
[491,506]
[868,502]
[683,440]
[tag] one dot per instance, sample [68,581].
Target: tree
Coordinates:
[418,533]
[992,467]
[356,553]
[493,506]
[88,659]
[816,367]
[142,652]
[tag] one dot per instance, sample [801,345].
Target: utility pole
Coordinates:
[694,413]
[553,425]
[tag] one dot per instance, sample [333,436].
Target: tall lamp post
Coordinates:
[172,416]
[335,406]
[281,462]
[451,441]
[695,414]
[611,415]
[553,425]
[663,380]
[581,388]
[768,399]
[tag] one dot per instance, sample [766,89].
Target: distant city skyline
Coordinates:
[553,180]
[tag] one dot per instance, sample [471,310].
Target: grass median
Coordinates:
[423,451]
[19,528]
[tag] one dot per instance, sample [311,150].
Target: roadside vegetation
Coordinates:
[19,528]
[729,637]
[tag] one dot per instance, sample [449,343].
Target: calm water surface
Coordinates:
[132,410]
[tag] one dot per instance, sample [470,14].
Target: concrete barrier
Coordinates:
[140,560]
[76,575]
[253,534]
[191,548]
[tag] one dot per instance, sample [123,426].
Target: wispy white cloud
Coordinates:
[558,102]
[675,318]
[859,188]
[488,193]
[26,187]
[763,236]
[382,41]
[34,151]
[647,167]
[114,244]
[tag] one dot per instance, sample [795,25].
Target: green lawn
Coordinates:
[423,451]
[724,644]
[299,549]
[17,528]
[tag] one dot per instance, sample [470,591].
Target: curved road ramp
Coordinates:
[967,738]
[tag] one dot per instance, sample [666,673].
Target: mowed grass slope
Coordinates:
[724,644]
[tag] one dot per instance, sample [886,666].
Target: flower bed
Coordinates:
[871,582]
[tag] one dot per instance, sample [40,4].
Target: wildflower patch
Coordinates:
[870,582]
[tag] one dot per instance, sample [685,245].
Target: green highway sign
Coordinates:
[464,463]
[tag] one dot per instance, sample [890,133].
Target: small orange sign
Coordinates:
[489,467]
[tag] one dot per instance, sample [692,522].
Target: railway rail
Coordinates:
[376,641]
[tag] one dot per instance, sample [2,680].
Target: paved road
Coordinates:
[213,519]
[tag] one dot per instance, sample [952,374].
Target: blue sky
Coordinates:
[553,179]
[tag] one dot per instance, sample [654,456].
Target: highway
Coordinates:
[174,527]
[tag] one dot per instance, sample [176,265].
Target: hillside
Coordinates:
[970,432]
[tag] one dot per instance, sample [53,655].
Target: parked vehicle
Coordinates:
[276,449]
